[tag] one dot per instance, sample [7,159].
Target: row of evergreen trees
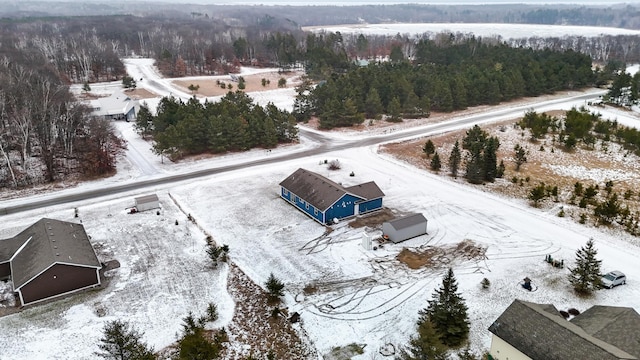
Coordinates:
[580,126]
[232,124]
[440,78]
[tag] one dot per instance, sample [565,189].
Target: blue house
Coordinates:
[324,200]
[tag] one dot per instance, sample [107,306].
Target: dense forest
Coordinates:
[441,77]
[45,134]
[232,124]
[89,49]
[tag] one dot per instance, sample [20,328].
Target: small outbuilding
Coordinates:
[405,228]
[147,202]
[49,259]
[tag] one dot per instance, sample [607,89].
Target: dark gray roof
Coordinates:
[315,189]
[618,326]
[407,221]
[8,247]
[367,191]
[321,192]
[541,333]
[47,242]
[146,199]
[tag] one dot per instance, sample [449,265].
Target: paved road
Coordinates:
[325,143]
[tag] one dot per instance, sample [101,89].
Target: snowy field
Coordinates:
[506,31]
[363,296]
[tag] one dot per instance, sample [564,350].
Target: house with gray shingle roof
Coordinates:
[532,331]
[50,258]
[325,200]
[117,106]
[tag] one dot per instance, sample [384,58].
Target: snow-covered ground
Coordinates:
[506,31]
[364,296]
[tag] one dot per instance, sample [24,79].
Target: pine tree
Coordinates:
[475,167]
[128,82]
[120,341]
[275,288]
[521,156]
[467,354]
[144,121]
[454,159]
[435,162]
[585,276]
[426,345]
[373,105]
[500,171]
[537,193]
[490,159]
[194,344]
[394,110]
[608,210]
[447,312]
[428,148]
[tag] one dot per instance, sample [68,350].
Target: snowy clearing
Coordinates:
[505,31]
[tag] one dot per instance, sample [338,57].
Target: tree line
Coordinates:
[45,134]
[234,123]
[89,49]
[580,127]
[440,76]
[615,15]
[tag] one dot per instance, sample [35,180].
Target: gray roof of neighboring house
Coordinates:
[321,192]
[407,221]
[146,199]
[47,242]
[367,191]
[116,104]
[541,333]
[8,247]
[618,326]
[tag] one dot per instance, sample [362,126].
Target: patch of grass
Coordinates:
[345,352]
[310,289]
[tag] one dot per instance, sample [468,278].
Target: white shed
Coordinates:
[405,228]
[147,202]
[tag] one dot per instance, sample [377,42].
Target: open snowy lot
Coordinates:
[363,296]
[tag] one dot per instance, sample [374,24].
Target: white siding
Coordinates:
[501,350]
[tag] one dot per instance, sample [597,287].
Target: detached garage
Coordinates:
[405,228]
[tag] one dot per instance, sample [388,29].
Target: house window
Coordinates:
[315,211]
[307,206]
[285,191]
[295,198]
